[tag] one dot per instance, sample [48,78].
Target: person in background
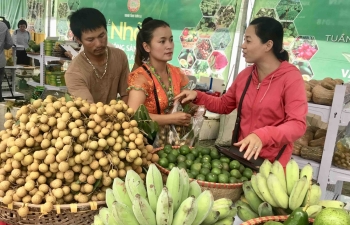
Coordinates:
[274,108]
[154,48]
[5,43]
[99,73]
[21,37]
[3,19]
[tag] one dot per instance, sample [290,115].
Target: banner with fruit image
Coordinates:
[203,29]
[316,34]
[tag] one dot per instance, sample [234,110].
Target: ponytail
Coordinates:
[140,53]
[283,55]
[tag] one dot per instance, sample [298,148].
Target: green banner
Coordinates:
[316,34]
[203,30]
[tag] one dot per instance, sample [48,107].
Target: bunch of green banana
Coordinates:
[313,195]
[221,212]
[301,186]
[154,185]
[314,210]
[332,204]
[174,184]
[265,209]
[246,213]
[251,197]
[179,201]
[275,188]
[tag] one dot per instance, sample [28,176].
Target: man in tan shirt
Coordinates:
[99,73]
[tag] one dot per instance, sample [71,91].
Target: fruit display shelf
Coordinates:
[335,116]
[48,87]
[46,58]
[43,59]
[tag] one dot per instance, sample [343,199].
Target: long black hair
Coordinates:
[145,35]
[267,28]
[86,19]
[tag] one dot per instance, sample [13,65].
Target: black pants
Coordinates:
[2,73]
[22,57]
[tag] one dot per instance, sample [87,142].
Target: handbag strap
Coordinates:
[239,109]
[281,152]
[154,89]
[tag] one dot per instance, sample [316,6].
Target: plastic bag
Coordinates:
[181,135]
[341,156]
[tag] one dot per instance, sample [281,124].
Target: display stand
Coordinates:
[43,59]
[335,116]
[12,93]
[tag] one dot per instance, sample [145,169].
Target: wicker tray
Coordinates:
[262,220]
[219,190]
[77,214]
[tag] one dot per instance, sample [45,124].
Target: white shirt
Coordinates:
[21,38]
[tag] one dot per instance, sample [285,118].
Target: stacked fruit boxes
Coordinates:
[55,78]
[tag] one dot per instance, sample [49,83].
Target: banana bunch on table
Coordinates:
[179,201]
[273,191]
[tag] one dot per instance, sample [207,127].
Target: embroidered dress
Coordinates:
[140,80]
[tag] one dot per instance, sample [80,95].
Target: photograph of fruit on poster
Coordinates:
[203,30]
[316,34]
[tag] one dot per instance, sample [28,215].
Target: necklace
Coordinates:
[104,73]
[168,91]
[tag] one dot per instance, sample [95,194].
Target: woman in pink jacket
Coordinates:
[274,108]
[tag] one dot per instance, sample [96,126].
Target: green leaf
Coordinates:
[97,183]
[154,129]
[186,108]
[67,97]
[145,123]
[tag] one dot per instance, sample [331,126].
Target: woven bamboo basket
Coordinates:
[219,190]
[262,220]
[77,214]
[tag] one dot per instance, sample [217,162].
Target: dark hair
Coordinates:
[22,22]
[267,28]
[86,19]
[145,35]
[5,22]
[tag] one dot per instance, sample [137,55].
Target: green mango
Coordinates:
[298,217]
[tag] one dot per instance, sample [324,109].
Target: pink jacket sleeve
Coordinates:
[294,126]
[221,105]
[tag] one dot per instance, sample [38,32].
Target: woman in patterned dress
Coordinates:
[154,48]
